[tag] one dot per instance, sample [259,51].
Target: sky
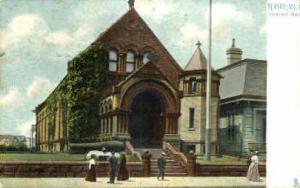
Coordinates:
[39,37]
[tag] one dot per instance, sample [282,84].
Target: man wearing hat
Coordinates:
[161,164]
[113,167]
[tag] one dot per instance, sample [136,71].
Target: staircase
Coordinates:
[174,165]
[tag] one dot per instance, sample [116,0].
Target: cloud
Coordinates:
[68,44]
[191,33]
[74,40]
[25,128]
[59,38]
[29,34]
[23,28]
[224,16]
[155,9]
[40,87]
[11,99]
[225,12]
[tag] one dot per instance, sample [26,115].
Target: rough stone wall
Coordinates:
[198,133]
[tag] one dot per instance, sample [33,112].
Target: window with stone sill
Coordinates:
[112,60]
[130,61]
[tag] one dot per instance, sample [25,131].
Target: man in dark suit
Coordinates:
[113,166]
[161,164]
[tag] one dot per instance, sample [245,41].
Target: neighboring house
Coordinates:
[147,99]
[242,124]
[10,140]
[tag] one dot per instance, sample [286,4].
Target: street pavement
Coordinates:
[202,182]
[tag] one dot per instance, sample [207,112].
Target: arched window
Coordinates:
[147,57]
[192,85]
[130,60]
[106,109]
[112,60]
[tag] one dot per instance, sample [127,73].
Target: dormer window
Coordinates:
[112,60]
[146,57]
[130,60]
[192,85]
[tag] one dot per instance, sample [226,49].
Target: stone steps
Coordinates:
[173,165]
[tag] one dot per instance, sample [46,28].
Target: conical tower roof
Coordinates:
[198,61]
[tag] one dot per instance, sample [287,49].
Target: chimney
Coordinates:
[233,54]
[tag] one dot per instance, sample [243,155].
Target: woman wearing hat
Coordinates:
[253,173]
[91,173]
[122,171]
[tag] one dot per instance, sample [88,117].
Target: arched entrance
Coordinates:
[148,116]
[146,126]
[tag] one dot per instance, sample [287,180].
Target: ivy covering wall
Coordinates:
[86,76]
[78,94]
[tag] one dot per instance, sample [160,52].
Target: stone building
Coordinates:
[148,100]
[242,125]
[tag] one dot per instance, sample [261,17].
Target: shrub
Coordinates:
[116,146]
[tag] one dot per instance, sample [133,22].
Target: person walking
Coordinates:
[122,172]
[253,173]
[113,166]
[91,173]
[161,164]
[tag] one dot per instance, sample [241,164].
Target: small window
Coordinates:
[113,60]
[147,57]
[191,118]
[130,59]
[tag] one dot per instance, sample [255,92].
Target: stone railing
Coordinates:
[176,153]
[129,149]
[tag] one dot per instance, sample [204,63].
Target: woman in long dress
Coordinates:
[122,172]
[91,173]
[253,173]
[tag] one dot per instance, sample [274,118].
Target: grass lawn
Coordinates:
[220,160]
[41,157]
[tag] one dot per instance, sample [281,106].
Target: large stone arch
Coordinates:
[167,97]
[170,99]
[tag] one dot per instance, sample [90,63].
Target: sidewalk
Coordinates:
[216,182]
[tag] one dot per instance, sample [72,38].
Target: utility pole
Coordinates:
[208,88]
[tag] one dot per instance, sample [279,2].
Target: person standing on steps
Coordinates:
[161,164]
[113,166]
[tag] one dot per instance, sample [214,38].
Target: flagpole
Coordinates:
[208,88]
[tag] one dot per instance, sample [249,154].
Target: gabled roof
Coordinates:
[135,16]
[245,78]
[146,69]
[197,62]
